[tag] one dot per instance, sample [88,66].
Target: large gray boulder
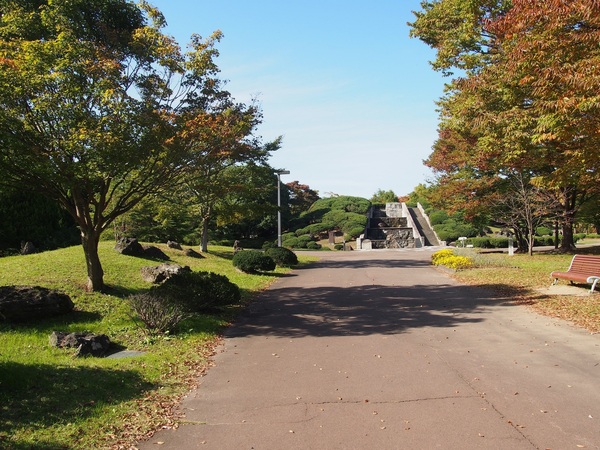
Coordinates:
[23,303]
[175,245]
[130,247]
[162,272]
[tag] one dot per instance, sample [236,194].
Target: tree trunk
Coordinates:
[570,199]
[89,241]
[568,242]
[204,244]
[520,238]
[531,242]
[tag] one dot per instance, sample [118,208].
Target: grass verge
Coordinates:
[524,279]
[51,400]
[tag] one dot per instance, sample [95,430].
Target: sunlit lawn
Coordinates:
[49,399]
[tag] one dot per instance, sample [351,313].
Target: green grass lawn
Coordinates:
[50,400]
[522,277]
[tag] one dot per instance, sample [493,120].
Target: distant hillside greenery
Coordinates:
[344,215]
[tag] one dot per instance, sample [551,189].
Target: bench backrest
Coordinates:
[585,264]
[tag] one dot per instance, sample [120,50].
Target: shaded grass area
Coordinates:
[51,400]
[524,279]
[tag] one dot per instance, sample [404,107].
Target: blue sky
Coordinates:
[352,95]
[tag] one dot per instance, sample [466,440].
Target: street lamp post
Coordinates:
[279,173]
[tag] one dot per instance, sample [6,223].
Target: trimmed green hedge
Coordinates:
[252,261]
[199,291]
[282,256]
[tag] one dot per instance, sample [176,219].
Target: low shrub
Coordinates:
[488,242]
[269,244]
[312,245]
[447,258]
[441,254]
[290,242]
[338,247]
[199,291]
[354,232]
[252,261]
[543,240]
[480,242]
[543,231]
[160,314]
[458,262]
[282,256]
[298,242]
[304,240]
[499,242]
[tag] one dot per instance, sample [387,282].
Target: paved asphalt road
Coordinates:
[379,350]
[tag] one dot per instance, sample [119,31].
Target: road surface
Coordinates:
[379,350]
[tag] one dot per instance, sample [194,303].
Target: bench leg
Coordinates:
[594,283]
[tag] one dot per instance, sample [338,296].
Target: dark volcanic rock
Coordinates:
[173,244]
[129,247]
[22,303]
[193,253]
[153,252]
[85,343]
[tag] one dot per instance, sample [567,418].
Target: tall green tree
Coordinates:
[249,209]
[90,93]
[382,196]
[217,139]
[457,30]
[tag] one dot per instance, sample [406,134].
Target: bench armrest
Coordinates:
[594,280]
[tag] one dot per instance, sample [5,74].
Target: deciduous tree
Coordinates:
[301,197]
[90,90]
[217,139]
[382,196]
[528,100]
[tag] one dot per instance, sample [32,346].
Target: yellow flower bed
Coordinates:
[447,258]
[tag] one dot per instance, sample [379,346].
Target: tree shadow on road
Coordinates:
[364,310]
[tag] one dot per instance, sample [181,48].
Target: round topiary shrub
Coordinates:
[290,242]
[252,261]
[304,240]
[199,291]
[269,244]
[312,245]
[282,256]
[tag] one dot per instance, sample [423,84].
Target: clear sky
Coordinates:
[352,95]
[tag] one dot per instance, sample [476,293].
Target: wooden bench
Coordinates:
[583,269]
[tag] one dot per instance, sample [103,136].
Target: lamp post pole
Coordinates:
[279,173]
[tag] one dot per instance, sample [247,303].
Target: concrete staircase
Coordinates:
[422,225]
[396,226]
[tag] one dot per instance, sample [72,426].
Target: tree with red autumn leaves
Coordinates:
[527,102]
[301,197]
